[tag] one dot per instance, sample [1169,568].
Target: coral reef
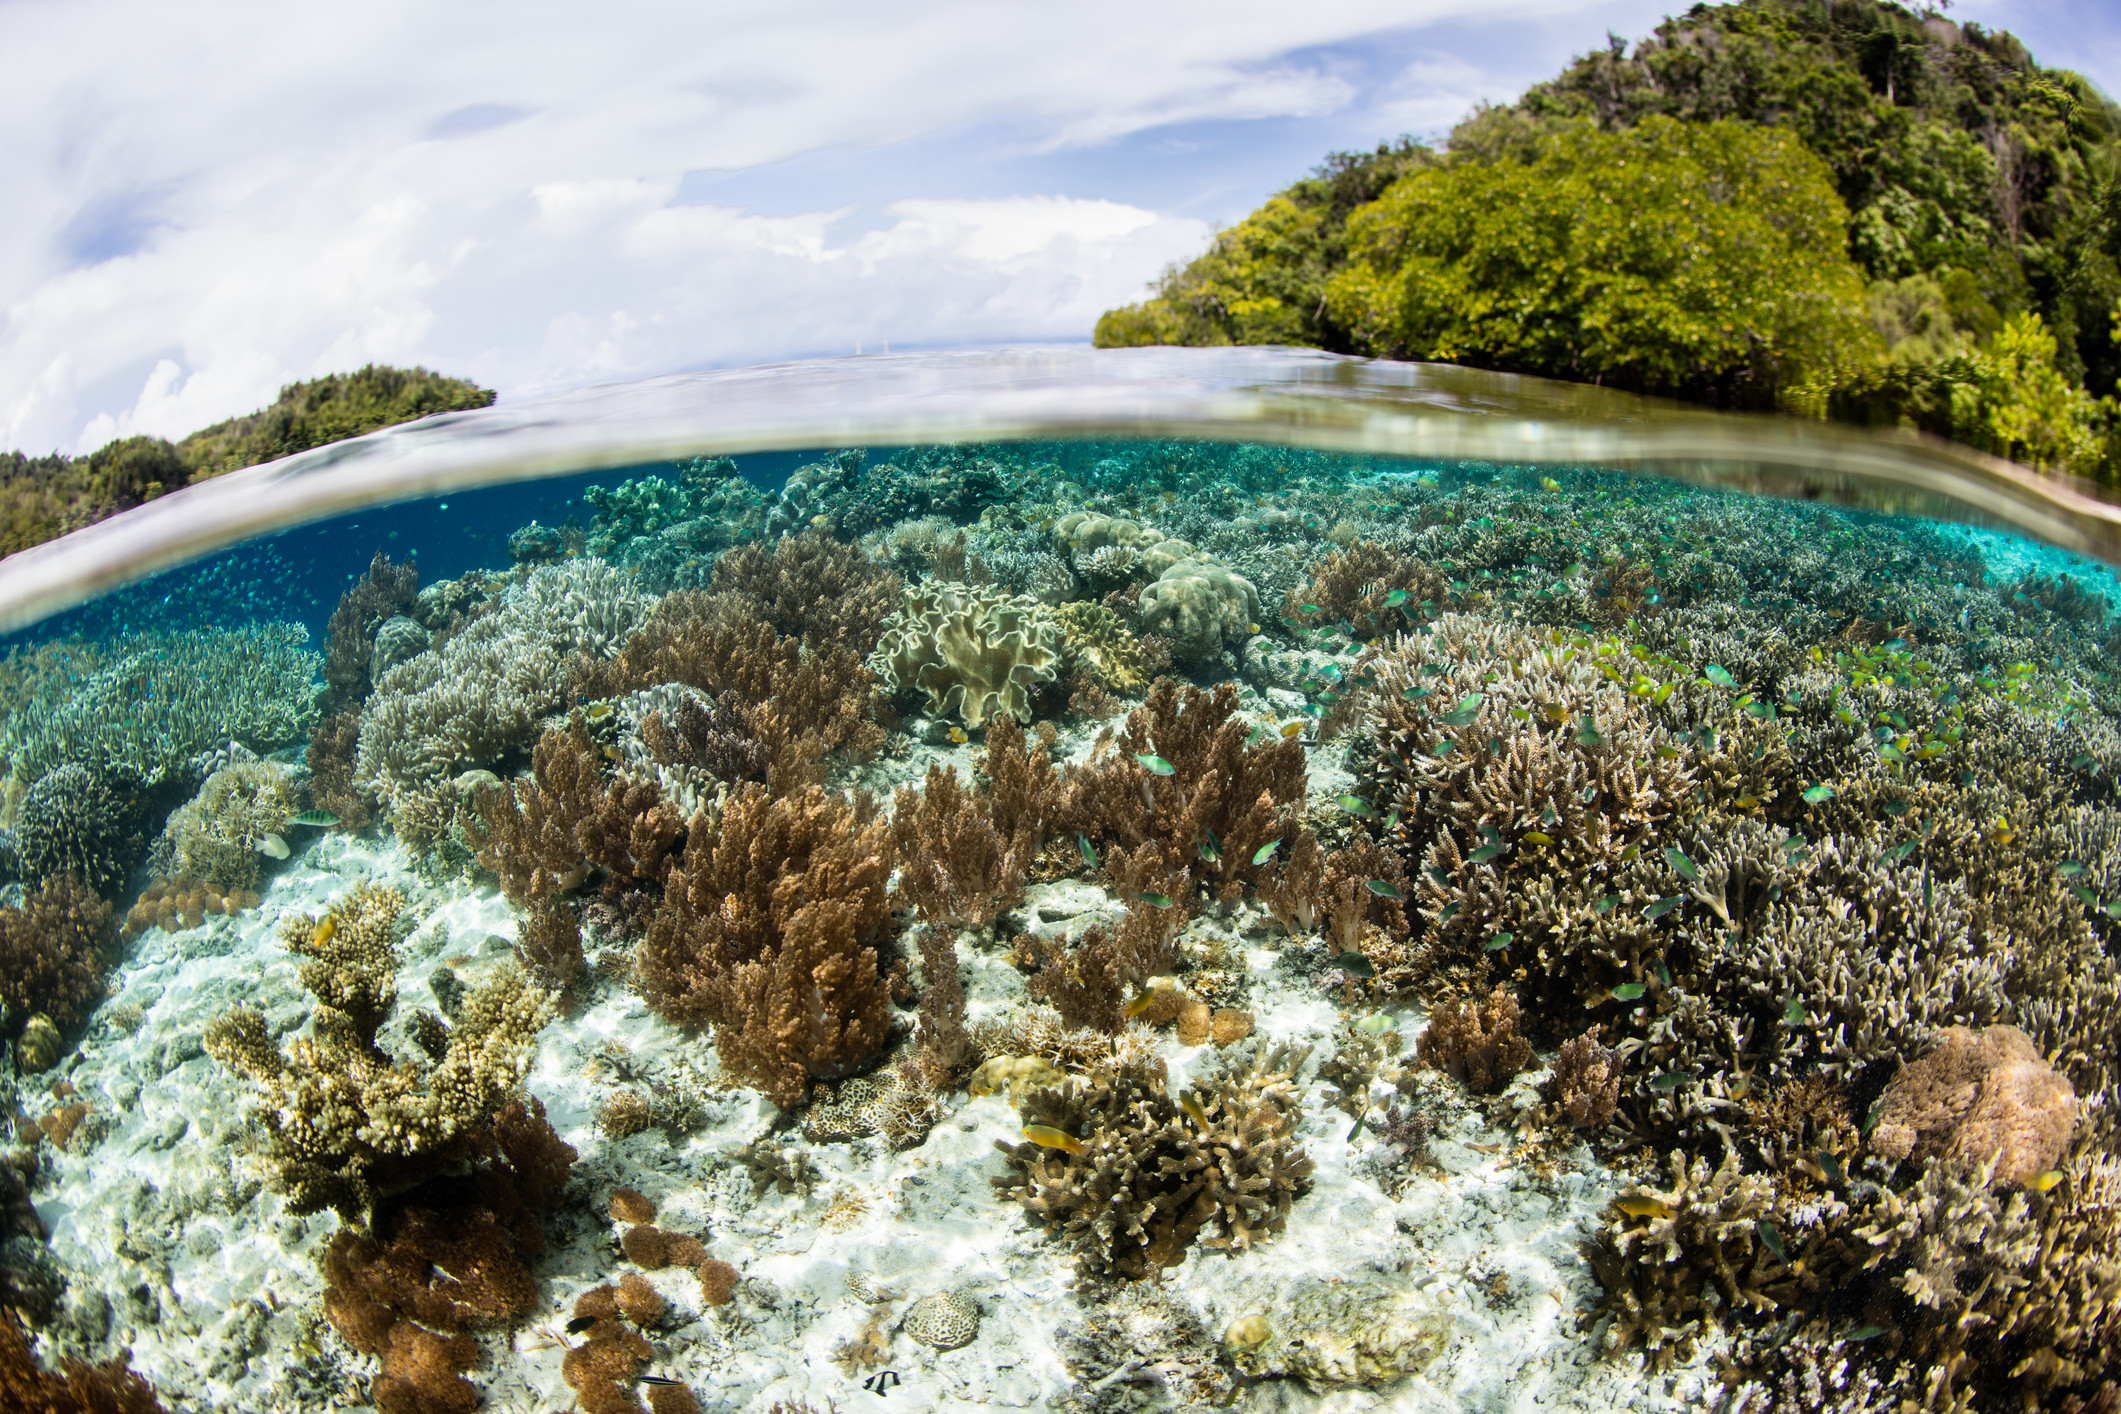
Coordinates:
[810,587]
[1135,1178]
[1475,1040]
[1095,642]
[1584,1088]
[944,1320]
[79,1388]
[74,823]
[1365,1330]
[1981,1097]
[345,1122]
[380,596]
[969,650]
[768,929]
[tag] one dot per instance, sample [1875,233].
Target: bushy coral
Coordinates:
[969,651]
[1982,1097]
[769,929]
[1135,1178]
[812,587]
[53,950]
[215,836]
[74,823]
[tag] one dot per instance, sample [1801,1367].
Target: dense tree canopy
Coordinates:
[1980,202]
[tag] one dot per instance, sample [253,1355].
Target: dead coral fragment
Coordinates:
[1156,1174]
[1980,1096]
[1476,1042]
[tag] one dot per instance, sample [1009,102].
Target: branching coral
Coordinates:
[384,591]
[72,822]
[1352,584]
[971,651]
[53,950]
[1476,1041]
[78,1388]
[215,836]
[810,587]
[1186,777]
[345,1122]
[1584,1088]
[768,929]
[1139,1177]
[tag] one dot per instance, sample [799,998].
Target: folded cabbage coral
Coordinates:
[969,650]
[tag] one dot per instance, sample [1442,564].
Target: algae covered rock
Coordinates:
[1363,1329]
[972,651]
[1198,605]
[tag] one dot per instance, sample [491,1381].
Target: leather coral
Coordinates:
[768,930]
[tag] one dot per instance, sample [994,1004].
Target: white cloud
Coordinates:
[209,200]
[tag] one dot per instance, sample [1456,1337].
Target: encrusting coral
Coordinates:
[345,1122]
[769,929]
[969,650]
[1980,1097]
[1130,1178]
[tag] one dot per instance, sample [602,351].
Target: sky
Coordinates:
[210,200]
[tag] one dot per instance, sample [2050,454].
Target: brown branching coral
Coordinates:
[1148,1175]
[1584,1089]
[956,867]
[768,929]
[384,591]
[332,743]
[1350,901]
[53,950]
[811,587]
[801,704]
[1352,584]
[714,737]
[941,1032]
[344,1121]
[1476,1041]
[77,1388]
[1083,984]
[1223,798]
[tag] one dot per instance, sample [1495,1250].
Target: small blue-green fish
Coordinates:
[1500,941]
[1395,598]
[1375,1023]
[1467,709]
[1309,609]
[1260,855]
[1672,1081]
[1355,965]
[1818,795]
[1485,853]
[1089,855]
[1664,974]
[1663,906]
[1901,851]
[1630,991]
[2082,760]
[1154,900]
[1357,808]
[1772,1240]
[1446,913]
[1443,879]
[1678,860]
[319,818]
[1588,734]
[1606,904]
[2070,866]
[1157,765]
[1719,675]
[1863,1333]
[1793,1012]
[1415,693]
[1259,734]
[1383,888]
[1831,1164]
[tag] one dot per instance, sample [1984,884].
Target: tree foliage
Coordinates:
[1705,259]
[42,498]
[1981,200]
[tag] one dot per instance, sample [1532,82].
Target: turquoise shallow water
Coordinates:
[1228,922]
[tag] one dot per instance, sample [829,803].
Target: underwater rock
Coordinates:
[1364,1329]
[943,1321]
[1197,606]
[1980,1095]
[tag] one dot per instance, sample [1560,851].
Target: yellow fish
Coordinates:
[1291,730]
[1192,1107]
[957,734]
[324,932]
[1642,1207]
[1053,1138]
[2042,1182]
[1548,483]
[1140,1004]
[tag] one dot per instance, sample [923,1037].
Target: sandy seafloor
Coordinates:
[174,1247]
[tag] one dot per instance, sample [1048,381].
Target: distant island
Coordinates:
[1851,211]
[42,498]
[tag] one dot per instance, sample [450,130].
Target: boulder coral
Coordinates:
[1980,1096]
[1199,606]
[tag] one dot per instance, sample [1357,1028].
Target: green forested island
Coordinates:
[1836,208]
[42,498]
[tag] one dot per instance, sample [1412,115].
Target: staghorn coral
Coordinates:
[1151,1175]
[1981,1097]
[214,836]
[768,929]
[1475,1041]
[344,1122]
[971,651]
[52,952]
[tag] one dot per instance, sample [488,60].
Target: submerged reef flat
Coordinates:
[1082,927]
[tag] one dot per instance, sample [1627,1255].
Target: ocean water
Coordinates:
[1235,882]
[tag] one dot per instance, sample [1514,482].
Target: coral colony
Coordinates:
[1095,928]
